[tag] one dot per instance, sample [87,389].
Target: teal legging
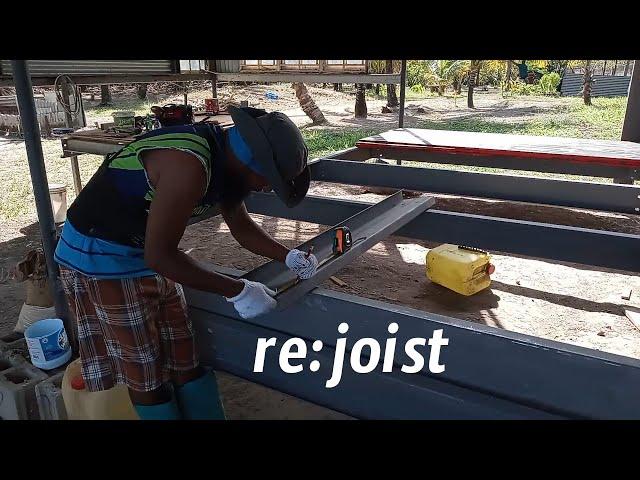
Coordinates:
[199,399]
[161,411]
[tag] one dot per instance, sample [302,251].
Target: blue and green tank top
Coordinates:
[104,234]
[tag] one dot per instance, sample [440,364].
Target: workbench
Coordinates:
[100,141]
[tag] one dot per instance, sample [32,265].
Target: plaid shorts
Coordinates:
[133,331]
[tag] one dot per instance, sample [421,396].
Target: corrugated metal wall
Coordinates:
[227,66]
[47,68]
[603,85]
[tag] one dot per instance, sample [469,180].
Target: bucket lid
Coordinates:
[57,187]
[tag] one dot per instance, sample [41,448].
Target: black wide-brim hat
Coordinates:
[278,147]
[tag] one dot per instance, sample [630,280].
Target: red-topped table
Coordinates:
[606,158]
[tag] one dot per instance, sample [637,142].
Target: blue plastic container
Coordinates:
[48,344]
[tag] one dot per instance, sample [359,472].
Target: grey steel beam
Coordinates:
[368,227]
[352,153]
[541,377]
[379,78]
[75,146]
[231,348]
[541,240]
[597,196]
[505,162]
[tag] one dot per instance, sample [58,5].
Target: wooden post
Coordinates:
[214,85]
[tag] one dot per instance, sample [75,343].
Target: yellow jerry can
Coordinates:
[465,270]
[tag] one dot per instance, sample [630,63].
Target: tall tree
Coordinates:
[626,67]
[141,90]
[586,83]
[361,103]
[307,104]
[105,95]
[508,75]
[474,74]
[392,99]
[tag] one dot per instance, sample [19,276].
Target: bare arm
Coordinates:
[250,235]
[179,182]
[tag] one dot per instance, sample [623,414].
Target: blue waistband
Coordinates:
[99,258]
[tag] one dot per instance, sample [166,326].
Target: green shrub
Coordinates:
[418,88]
[521,88]
[417,72]
[549,83]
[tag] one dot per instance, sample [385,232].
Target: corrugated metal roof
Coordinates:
[603,85]
[45,68]
[227,66]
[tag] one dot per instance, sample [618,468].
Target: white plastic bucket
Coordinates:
[58,194]
[48,344]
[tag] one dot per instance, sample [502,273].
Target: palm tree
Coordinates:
[141,90]
[392,99]
[361,103]
[474,74]
[307,104]
[586,84]
[444,72]
[105,95]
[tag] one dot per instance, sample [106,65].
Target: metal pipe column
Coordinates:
[403,80]
[31,130]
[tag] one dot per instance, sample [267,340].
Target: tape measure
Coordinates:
[342,240]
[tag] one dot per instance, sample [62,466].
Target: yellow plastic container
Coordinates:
[112,404]
[461,269]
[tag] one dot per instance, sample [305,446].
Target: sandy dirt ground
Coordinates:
[559,301]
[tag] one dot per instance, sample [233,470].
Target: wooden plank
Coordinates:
[607,152]
[337,281]
[633,315]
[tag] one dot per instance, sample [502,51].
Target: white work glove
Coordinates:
[303,267]
[254,299]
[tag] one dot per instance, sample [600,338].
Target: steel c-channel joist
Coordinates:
[368,227]
[597,196]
